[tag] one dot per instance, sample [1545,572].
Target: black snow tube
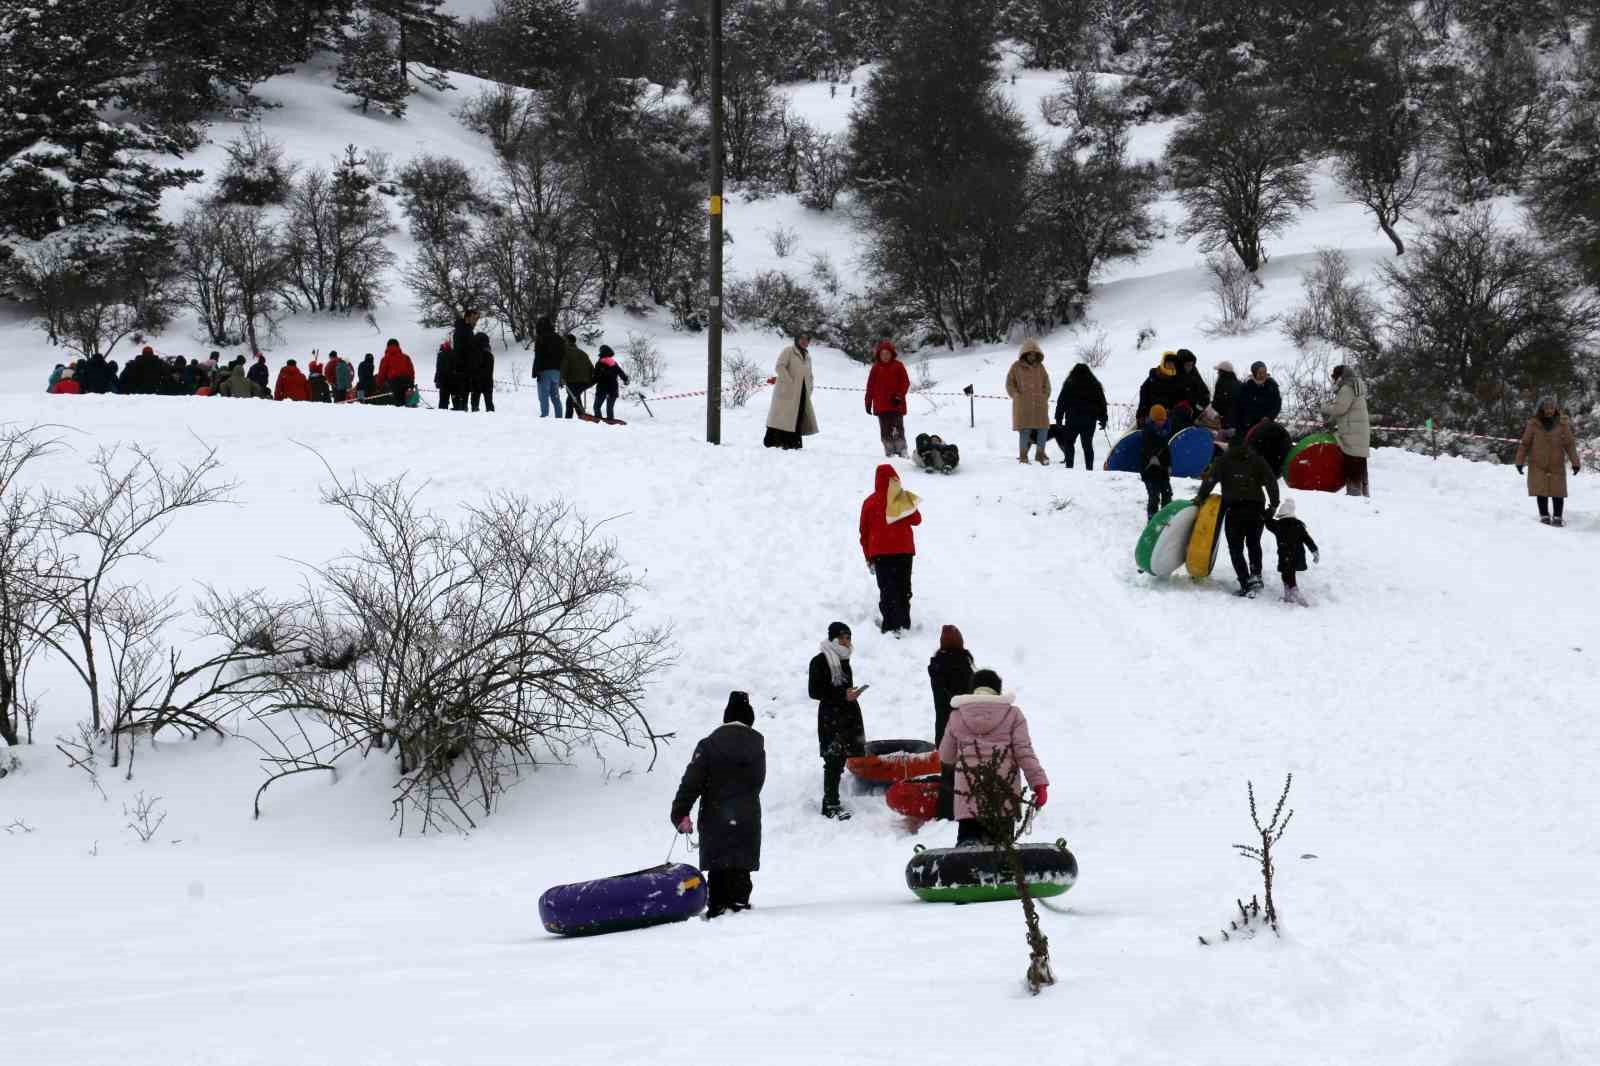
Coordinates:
[661,894]
[980,874]
[1273,443]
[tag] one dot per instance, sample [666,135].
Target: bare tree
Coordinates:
[24,607]
[203,268]
[95,531]
[258,264]
[462,652]
[1239,168]
[337,239]
[824,163]
[1260,852]
[1385,161]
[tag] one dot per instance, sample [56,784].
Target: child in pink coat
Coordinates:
[980,725]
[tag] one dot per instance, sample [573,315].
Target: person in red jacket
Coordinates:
[396,374]
[887,387]
[292,384]
[887,517]
[66,384]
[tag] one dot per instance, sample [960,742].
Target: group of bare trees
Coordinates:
[463,652]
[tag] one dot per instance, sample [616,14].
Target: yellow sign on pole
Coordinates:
[716,205]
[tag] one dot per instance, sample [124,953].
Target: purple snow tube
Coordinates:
[661,894]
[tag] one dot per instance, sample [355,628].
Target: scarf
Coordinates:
[898,502]
[837,655]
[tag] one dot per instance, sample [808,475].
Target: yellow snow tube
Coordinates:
[1205,539]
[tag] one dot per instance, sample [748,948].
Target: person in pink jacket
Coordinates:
[981,724]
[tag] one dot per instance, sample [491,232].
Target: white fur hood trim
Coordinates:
[1007,698]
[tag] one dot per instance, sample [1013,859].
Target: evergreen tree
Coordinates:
[369,69]
[425,38]
[1566,189]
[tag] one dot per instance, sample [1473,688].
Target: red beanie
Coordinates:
[950,639]
[885,346]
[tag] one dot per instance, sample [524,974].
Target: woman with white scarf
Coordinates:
[840,732]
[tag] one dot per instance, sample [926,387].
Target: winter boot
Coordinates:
[1558,521]
[1043,459]
[1022,455]
[1544,520]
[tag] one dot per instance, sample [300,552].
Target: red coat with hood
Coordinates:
[888,383]
[292,385]
[879,536]
[395,364]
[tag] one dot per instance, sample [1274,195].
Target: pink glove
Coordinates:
[685,824]
[1041,795]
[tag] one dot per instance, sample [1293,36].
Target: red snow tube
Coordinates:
[1315,465]
[888,761]
[917,798]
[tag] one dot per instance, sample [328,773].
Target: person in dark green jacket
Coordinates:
[577,374]
[1243,476]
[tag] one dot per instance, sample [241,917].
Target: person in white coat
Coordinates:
[792,415]
[1351,423]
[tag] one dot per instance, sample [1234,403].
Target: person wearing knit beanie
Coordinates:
[725,777]
[841,733]
[950,675]
[1155,460]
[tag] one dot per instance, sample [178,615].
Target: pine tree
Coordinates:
[369,69]
[425,38]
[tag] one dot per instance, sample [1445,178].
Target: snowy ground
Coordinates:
[1433,706]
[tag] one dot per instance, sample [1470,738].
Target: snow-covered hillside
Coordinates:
[1437,883]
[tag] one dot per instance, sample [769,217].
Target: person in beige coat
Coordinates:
[1351,423]
[1546,449]
[1028,385]
[792,416]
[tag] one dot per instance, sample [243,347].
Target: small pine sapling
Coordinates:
[1006,815]
[1254,916]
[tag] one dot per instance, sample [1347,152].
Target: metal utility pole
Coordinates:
[714,332]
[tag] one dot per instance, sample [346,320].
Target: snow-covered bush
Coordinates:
[256,174]
[774,300]
[642,360]
[1095,350]
[1233,292]
[742,378]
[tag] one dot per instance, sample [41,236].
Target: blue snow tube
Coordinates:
[661,894]
[1192,451]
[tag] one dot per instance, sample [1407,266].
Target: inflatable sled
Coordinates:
[916,798]
[1124,455]
[888,761]
[1315,464]
[657,896]
[1165,540]
[1205,538]
[1271,441]
[980,874]
[1192,451]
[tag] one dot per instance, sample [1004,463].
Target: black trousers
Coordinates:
[894,590]
[1545,502]
[727,890]
[1158,489]
[1243,523]
[606,401]
[971,831]
[1080,432]
[575,401]
[832,771]
[486,395]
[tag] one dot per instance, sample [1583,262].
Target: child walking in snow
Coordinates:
[1155,467]
[1293,540]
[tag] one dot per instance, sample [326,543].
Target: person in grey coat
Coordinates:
[725,776]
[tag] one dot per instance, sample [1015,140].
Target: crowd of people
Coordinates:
[976,725]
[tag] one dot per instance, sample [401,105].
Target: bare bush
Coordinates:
[824,164]
[742,378]
[924,380]
[777,301]
[463,652]
[1233,290]
[1257,916]
[784,239]
[1338,311]
[642,360]
[826,275]
[1095,350]
[145,816]
[207,286]
[504,113]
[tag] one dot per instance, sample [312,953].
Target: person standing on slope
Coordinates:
[1257,400]
[1161,386]
[1193,386]
[1351,423]
[890,546]
[1546,441]
[840,732]
[1155,460]
[609,377]
[480,373]
[1293,539]
[365,377]
[792,416]
[464,347]
[292,384]
[1080,407]
[1243,476]
[396,374]
[577,375]
[1028,385]
[984,726]
[950,675]
[1223,395]
[726,775]
[260,376]
[549,352]
[887,387]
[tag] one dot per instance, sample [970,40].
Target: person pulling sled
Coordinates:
[726,776]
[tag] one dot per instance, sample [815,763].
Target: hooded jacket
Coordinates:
[364,375]
[609,377]
[577,370]
[1242,474]
[1082,396]
[1348,413]
[1543,448]
[726,775]
[1028,385]
[1223,395]
[236,385]
[981,725]
[887,384]
[1158,388]
[548,348]
[395,367]
[950,675]
[259,375]
[879,536]
[792,409]
[292,385]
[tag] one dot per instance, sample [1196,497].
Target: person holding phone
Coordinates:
[840,732]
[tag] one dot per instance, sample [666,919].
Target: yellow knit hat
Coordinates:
[1158,413]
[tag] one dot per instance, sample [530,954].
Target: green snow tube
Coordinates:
[1165,540]
[980,874]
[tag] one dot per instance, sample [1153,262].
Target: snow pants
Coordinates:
[1079,431]
[894,590]
[727,890]
[1243,523]
[1158,490]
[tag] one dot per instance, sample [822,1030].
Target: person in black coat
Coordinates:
[464,352]
[480,372]
[260,376]
[1158,388]
[549,352]
[950,673]
[726,774]
[609,377]
[1194,386]
[1155,460]
[1080,407]
[1223,395]
[95,375]
[1293,540]
[841,734]
[364,375]
[1257,400]
[146,375]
